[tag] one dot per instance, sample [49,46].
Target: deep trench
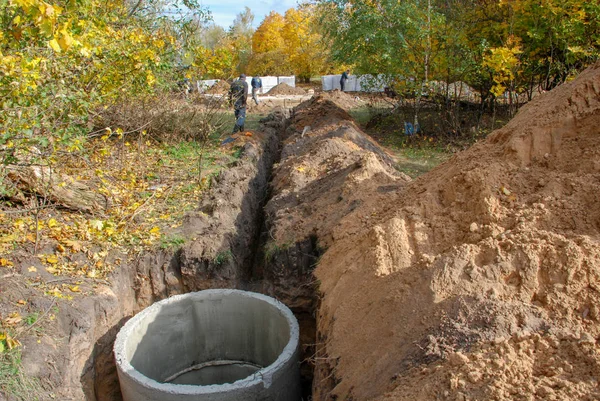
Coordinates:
[252,267]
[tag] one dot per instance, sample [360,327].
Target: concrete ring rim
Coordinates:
[185,389]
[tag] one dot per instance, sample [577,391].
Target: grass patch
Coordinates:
[362,115]
[13,381]
[182,150]
[172,241]
[223,257]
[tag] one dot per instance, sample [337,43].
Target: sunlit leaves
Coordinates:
[493,45]
[503,62]
[289,44]
[67,61]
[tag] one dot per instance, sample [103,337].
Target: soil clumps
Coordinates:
[285,89]
[479,280]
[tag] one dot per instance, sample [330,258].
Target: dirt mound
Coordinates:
[284,89]
[220,88]
[481,279]
[318,111]
[265,106]
[342,99]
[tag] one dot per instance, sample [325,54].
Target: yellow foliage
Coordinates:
[502,61]
[268,36]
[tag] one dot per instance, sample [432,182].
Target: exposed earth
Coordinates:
[479,280]
[285,89]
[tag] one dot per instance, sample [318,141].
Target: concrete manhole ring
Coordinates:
[210,345]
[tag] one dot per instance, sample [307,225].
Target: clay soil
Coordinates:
[285,89]
[481,279]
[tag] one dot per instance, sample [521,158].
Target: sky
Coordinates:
[225,11]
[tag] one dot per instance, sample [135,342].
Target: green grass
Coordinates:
[13,381]
[415,155]
[172,241]
[182,150]
[414,162]
[362,115]
[223,257]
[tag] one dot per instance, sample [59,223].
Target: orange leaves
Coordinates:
[289,44]
[13,319]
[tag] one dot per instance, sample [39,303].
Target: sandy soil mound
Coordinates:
[480,280]
[318,111]
[220,88]
[342,99]
[285,89]
[313,189]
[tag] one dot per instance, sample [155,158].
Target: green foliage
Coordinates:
[61,61]
[515,46]
[223,257]
[13,381]
[172,241]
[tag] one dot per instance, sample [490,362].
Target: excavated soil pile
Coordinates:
[284,89]
[318,111]
[342,99]
[220,88]
[478,281]
[325,160]
[313,189]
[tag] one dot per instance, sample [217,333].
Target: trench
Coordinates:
[231,251]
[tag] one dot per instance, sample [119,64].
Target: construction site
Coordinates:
[314,269]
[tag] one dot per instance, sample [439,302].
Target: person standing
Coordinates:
[256,84]
[344,79]
[238,93]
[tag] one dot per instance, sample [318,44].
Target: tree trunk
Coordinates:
[58,188]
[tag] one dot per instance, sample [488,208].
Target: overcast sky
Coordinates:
[224,11]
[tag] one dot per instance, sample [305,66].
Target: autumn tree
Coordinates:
[495,46]
[61,61]
[269,57]
[290,44]
[240,39]
[305,46]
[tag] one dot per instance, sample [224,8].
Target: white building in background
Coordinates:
[356,83]
[268,83]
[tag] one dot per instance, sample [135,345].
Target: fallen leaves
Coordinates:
[13,319]
[150,186]
[7,341]
[6,263]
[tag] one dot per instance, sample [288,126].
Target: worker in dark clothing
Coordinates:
[256,84]
[344,79]
[238,92]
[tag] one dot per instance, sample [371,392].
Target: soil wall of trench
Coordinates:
[223,235]
[262,227]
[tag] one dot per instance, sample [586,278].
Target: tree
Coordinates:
[268,36]
[240,39]
[305,46]
[60,62]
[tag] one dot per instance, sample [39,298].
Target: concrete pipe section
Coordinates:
[213,345]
